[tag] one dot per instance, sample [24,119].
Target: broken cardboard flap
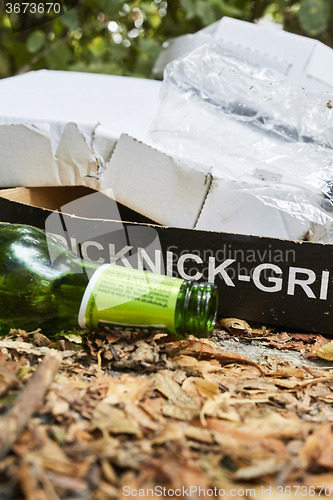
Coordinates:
[58,154]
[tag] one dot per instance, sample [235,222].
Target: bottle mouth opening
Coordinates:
[197,311]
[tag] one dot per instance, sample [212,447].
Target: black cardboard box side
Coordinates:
[265,280]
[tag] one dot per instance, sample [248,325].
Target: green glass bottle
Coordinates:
[43,285]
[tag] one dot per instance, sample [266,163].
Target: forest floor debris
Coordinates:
[129,416]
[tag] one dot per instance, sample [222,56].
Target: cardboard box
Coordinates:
[70,171]
[267,280]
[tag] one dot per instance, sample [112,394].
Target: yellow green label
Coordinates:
[129,299]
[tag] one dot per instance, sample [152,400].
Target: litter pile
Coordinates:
[242,152]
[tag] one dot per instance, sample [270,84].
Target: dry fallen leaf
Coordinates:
[178,414]
[114,420]
[318,449]
[179,404]
[326,351]
[305,343]
[202,350]
[207,388]
[259,470]
[234,325]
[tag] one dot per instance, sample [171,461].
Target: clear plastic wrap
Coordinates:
[248,125]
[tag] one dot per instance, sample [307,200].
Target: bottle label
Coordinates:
[128,299]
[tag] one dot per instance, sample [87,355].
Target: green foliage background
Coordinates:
[124,38]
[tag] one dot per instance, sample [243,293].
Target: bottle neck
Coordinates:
[196,309]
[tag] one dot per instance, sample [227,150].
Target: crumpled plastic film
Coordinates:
[254,95]
[248,124]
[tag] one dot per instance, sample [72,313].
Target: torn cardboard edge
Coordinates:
[72,155]
[64,157]
[266,280]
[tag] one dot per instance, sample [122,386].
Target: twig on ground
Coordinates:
[27,403]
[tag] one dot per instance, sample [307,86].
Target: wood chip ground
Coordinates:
[116,415]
